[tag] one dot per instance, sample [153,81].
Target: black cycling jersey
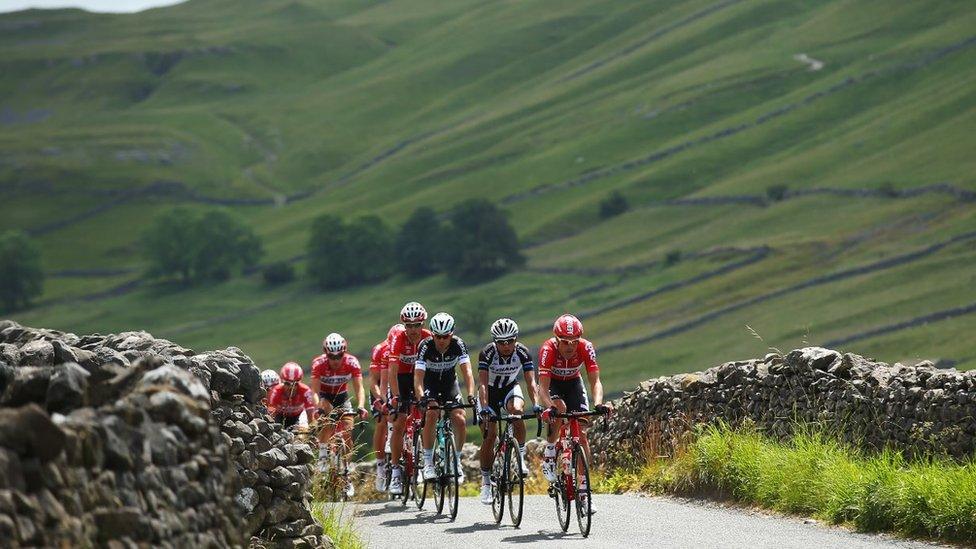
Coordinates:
[501,370]
[436,364]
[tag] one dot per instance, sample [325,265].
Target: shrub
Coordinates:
[21,277]
[888,189]
[278,273]
[344,254]
[776,192]
[412,241]
[672,257]
[614,204]
[482,243]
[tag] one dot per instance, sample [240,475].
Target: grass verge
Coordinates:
[814,475]
[339,526]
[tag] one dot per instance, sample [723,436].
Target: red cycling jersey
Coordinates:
[282,400]
[403,354]
[335,381]
[552,364]
[381,357]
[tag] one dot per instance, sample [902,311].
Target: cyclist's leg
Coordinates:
[515,404]
[405,384]
[453,394]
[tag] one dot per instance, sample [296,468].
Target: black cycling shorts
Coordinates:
[405,383]
[442,390]
[498,397]
[570,391]
[286,421]
[337,400]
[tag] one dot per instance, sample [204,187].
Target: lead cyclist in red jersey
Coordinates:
[291,397]
[379,387]
[561,384]
[403,355]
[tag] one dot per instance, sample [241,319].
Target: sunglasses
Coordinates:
[413,325]
[508,341]
[568,341]
[448,336]
[334,357]
[289,383]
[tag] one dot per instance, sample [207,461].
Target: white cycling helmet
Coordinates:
[269,378]
[441,324]
[334,344]
[413,312]
[504,328]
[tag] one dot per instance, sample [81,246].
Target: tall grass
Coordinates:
[815,475]
[339,526]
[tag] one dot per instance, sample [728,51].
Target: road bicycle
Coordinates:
[335,465]
[445,485]
[411,457]
[506,480]
[572,485]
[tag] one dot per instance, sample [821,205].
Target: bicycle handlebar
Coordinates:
[513,417]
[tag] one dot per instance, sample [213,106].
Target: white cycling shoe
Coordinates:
[381,478]
[429,472]
[396,484]
[486,494]
[350,490]
[459,471]
[525,467]
[549,469]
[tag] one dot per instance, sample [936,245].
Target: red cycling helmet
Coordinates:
[567,327]
[291,371]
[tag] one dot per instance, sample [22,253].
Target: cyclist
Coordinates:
[561,386]
[291,398]
[499,366]
[403,355]
[332,372]
[435,377]
[379,390]
[269,378]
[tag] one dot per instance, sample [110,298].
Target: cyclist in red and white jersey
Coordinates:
[291,397]
[561,384]
[332,373]
[403,355]
[379,387]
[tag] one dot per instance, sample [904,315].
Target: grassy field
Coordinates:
[359,106]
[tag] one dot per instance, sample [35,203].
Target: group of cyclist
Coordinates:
[417,365]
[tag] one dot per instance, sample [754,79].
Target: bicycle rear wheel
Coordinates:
[514,483]
[419,487]
[406,471]
[498,488]
[583,495]
[453,482]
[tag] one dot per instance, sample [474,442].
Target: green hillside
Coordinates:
[695,110]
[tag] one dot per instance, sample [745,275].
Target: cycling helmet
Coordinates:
[394,330]
[413,312]
[334,344]
[442,324]
[568,327]
[504,328]
[269,378]
[291,371]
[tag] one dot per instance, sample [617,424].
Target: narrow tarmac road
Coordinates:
[625,521]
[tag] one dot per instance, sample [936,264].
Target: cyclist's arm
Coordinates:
[375,382]
[483,387]
[533,388]
[468,377]
[596,385]
[315,385]
[357,384]
[418,383]
[543,393]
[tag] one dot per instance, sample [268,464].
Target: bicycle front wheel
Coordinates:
[583,495]
[419,487]
[342,473]
[438,481]
[564,490]
[514,483]
[453,483]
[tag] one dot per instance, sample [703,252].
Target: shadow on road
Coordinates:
[394,507]
[541,535]
[419,517]
[476,527]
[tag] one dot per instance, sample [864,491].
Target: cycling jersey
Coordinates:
[403,354]
[380,359]
[290,402]
[335,381]
[553,365]
[441,364]
[503,371]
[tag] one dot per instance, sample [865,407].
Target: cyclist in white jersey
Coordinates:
[500,364]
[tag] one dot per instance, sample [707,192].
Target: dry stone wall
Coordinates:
[869,404]
[126,440]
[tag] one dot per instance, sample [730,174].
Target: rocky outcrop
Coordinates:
[124,439]
[868,404]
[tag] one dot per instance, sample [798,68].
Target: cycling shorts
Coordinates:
[570,391]
[337,400]
[286,421]
[405,383]
[498,397]
[442,390]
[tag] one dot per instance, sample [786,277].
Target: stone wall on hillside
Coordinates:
[124,440]
[868,404]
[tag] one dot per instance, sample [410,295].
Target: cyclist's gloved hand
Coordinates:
[606,408]
[363,414]
[395,402]
[548,413]
[486,412]
[536,409]
[377,405]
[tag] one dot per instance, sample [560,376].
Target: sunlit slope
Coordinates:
[694,110]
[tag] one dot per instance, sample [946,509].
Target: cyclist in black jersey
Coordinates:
[435,378]
[500,364]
